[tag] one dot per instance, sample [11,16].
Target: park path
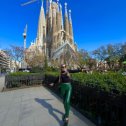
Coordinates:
[35,106]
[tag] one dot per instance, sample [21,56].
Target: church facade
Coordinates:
[55,37]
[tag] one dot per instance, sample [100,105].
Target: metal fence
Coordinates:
[23,80]
[103,108]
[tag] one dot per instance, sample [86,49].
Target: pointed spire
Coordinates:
[42,3]
[66,14]
[53,10]
[70,19]
[57,5]
[66,21]
[50,3]
[57,2]
[61,15]
[49,18]
[50,8]
[47,6]
[60,7]
[70,26]
[41,24]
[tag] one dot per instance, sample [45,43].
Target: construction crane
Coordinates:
[25,30]
[24,64]
[30,2]
[25,35]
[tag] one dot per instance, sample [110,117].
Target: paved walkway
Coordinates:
[2,80]
[35,107]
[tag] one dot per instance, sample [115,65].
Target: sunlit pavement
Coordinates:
[35,107]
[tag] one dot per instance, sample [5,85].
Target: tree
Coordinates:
[123,52]
[114,55]
[54,63]
[45,64]
[100,53]
[123,49]
[92,64]
[36,60]
[16,54]
[82,58]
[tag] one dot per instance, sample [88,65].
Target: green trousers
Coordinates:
[66,90]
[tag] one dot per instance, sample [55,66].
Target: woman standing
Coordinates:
[66,89]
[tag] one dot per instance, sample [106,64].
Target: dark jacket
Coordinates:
[64,77]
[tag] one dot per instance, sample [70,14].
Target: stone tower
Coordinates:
[41,34]
[55,35]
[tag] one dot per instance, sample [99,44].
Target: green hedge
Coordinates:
[110,82]
[107,81]
[22,74]
[52,73]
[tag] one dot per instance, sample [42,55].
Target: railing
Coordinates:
[103,108]
[23,80]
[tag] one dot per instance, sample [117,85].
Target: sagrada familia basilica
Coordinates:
[55,37]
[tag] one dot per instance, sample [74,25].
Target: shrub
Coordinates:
[108,81]
[52,73]
[36,70]
[22,74]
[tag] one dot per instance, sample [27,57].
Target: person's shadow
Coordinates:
[51,109]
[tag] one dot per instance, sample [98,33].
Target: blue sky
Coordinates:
[95,22]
